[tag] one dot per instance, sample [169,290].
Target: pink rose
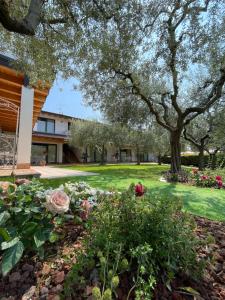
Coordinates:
[85,209]
[57,202]
[218,178]
[204,177]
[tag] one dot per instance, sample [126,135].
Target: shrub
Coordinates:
[30,214]
[148,236]
[207,179]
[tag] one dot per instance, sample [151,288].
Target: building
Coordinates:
[50,144]
[29,135]
[20,107]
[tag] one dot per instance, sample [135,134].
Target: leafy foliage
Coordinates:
[148,236]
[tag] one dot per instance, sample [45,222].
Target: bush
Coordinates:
[147,236]
[30,216]
[207,179]
[193,160]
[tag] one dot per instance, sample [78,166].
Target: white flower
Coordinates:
[57,202]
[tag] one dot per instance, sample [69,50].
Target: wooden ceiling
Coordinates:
[10,89]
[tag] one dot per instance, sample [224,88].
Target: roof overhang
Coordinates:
[11,82]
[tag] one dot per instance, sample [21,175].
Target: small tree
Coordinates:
[140,140]
[91,134]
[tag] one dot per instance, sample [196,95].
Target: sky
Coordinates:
[65,100]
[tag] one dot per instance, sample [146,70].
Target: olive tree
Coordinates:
[91,134]
[153,53]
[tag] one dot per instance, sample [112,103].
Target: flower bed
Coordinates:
[206,180]
[103,245]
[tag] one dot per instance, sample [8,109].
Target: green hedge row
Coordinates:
[192,160]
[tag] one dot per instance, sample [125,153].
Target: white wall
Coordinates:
[61,126]
[25,128]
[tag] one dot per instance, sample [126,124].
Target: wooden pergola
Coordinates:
[11,83]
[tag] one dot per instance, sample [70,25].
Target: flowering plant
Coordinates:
[207,180]
[57,202]
[139,190]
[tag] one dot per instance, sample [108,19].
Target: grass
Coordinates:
[204,202]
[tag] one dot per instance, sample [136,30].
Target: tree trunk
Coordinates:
[138,157]
[175,152]
[213,160]
[102,156]
[159,159]
[201,162]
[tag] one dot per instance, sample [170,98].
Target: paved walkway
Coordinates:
[54,172]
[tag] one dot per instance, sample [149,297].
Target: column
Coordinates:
[25,128]
[59,153]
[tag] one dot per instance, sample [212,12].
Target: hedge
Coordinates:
[192,160]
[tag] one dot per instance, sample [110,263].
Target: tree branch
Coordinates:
[136,91]
[213,96]
[28,24]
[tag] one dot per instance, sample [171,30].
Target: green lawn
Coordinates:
[205,202]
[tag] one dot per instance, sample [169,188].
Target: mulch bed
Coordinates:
[33,279]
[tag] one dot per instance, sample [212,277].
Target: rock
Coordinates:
[218,267]
[59,277]
[44,290]
[53,297]
[89,290]
[14,277]
[222,253]
[29,294]
[59,288]
[46,269]
[27,267]
[25,275]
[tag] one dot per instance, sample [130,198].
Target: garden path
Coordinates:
[54,172]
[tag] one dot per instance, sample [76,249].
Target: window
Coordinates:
[69,126]
[46,125]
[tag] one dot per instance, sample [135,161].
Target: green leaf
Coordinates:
[11,257]
[41,237]
[4,234]
[29,228]
[6,245]
[4,216]
[190,290]
[16,209]
[54,237]
[35,209]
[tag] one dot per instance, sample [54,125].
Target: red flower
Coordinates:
[218,178]
[204,177]
[139,190]
[219,183]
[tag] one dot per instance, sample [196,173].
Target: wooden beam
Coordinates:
[8,77]
[47,139]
